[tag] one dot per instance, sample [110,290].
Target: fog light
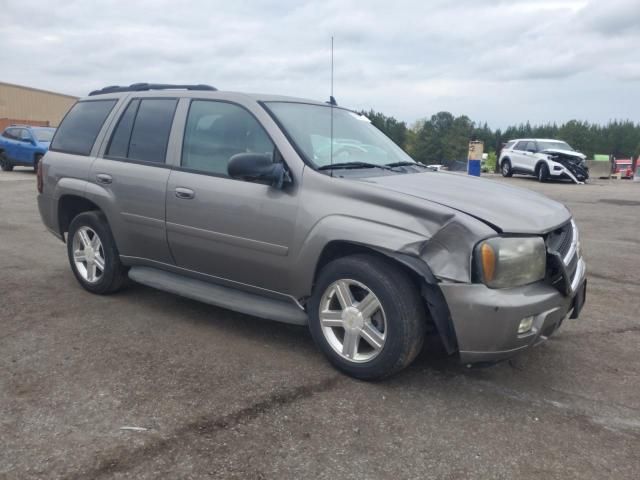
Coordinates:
[525,324]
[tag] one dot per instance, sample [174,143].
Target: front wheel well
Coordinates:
[69,207]
[421,277]
[338,249]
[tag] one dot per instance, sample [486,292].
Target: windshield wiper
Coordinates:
[405,164]
[345,165]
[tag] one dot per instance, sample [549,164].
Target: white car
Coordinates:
[544,158]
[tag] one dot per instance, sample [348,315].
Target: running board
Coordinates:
[230,298]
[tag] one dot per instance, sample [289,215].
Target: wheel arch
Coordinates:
[416,269]
[70,206]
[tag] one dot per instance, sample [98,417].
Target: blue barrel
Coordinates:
[473,168]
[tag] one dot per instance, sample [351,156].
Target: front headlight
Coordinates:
[503,262]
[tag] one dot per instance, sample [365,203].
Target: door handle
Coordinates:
[185,193]
[104,178]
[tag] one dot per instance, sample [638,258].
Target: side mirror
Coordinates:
[258,167]
[532,150]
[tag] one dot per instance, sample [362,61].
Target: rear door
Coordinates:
[25,147]
[234,230]
[133,173]
[517,156]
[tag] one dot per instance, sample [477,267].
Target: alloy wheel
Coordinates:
[88,254]
[353,321]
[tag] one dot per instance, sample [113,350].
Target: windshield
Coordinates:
[44,134]
[554,146]
[354,138]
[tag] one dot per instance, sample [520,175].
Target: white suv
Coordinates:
[544,158]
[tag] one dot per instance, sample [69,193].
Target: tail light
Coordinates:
[39,181]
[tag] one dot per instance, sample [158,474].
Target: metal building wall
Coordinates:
[29,105]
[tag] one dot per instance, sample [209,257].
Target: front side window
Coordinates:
[143,130]
[327,135]
[81,126]
[531,147]
[216,131]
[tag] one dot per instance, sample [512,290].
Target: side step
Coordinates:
[237,300]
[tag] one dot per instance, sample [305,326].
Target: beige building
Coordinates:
[32,106]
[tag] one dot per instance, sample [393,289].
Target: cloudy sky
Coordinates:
[497,61]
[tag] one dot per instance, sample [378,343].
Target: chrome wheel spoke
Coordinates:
[331,318]
[372,336]
[95,242]
[84,238]
[344,294]
[91,271]
[369,305]
[350,343]
[99,262]
[79,256]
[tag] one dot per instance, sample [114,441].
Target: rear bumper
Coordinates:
[46,207]
[486,320]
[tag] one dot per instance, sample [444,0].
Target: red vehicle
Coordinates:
[624,167]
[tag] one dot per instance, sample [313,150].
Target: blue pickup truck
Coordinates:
[24,145]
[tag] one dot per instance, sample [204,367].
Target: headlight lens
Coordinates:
[511,261]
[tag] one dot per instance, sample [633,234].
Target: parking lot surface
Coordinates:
[215,394]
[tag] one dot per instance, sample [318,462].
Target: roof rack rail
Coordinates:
[141,87]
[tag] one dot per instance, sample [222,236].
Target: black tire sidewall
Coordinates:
[543,172]
[97,222]
[398,302]
[5,163]
[502,165]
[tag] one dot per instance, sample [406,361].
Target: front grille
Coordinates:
[560,239]
[562,245]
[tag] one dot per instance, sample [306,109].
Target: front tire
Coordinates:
[543,172]
[93,255]
[367,316]
[5,163]
[505,168]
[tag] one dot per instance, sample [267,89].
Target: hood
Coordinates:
[571,153]
[507,209]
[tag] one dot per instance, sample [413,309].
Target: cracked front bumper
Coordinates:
[486,320]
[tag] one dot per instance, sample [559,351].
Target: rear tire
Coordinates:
[388,330]
[93,255]
[505,168]
[5,163]
[543,173]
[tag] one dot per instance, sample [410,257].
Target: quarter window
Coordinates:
[81,126]
[216,131]
[143,131]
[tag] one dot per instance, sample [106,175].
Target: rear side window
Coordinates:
[520,146]
[143,131]
[81,126]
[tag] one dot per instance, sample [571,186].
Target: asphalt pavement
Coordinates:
[144,384]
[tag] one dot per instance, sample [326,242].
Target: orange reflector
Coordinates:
[488,262]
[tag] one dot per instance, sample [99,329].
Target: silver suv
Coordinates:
[303,212]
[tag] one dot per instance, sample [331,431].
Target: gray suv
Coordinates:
[303,212]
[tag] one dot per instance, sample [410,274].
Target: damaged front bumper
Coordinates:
[567,166]
[486,321]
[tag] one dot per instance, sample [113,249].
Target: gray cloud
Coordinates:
[553,59]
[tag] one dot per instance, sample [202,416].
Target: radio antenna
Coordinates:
[332,102]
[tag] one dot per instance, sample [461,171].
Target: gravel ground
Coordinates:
[223,395]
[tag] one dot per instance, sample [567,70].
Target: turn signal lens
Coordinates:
[488,262]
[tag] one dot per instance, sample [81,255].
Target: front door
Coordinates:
[233,230]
